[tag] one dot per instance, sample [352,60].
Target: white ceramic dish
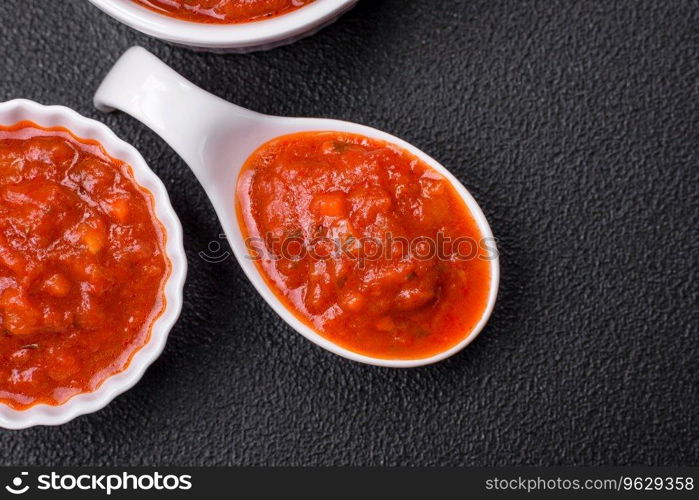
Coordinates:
[247,37]
[18,110]
[216,137]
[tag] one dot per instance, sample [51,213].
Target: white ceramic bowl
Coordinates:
[18,110]
[245,37]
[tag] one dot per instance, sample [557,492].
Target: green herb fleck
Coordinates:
[295,234]
[341,146]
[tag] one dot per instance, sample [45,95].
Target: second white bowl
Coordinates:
[246,37]
[18,110]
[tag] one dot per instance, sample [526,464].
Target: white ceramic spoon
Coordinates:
[215,138]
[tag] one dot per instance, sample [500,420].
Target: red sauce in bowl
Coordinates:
[223,11]
[82,265]
[365,243]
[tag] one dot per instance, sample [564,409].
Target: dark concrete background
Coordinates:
[574,124]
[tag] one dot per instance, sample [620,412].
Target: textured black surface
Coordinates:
[574,124]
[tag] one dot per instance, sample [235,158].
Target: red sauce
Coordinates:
[82,265]
[223,11]
[340,226]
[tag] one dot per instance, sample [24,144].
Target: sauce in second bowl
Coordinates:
[223,11]
[365,243]
[82,265]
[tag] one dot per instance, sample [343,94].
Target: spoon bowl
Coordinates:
[216,137]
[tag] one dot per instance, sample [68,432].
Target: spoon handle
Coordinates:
[188,118]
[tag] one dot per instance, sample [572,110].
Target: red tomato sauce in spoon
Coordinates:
[364,243]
